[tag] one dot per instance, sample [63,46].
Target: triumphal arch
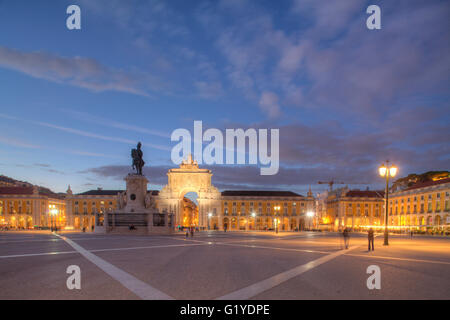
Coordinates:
[190,178]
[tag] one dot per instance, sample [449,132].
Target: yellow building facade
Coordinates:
[31,207]
[354,209]
[421,207]
[265,210]
[424,206]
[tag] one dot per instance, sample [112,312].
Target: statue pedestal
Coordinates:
[136,192]
[137,215]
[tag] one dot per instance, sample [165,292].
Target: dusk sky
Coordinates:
[74,102]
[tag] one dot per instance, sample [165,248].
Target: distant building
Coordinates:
[27,207]
[422,206]
[425,205]
[351,208]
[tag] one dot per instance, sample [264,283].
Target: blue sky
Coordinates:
[73,103]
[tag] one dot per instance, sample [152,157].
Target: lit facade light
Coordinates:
[253,214]
[210,215]
[310,214]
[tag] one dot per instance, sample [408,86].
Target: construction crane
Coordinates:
[330,183]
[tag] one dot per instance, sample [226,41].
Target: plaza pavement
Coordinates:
[218,265]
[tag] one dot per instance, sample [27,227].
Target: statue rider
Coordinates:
[138,162]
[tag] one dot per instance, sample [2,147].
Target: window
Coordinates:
[438,195]
[225,203]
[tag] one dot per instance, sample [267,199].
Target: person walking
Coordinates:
[346,236]
[192,232]
[370,236]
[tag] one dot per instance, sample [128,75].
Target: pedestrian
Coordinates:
[412,233]
[187,233]
[370,236]
[192,232]
[346,236]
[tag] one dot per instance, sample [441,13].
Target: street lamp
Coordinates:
[277,210]
[387,171]
[53,213]
[310,215]
[209,219]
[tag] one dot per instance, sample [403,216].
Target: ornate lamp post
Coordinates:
[387,171]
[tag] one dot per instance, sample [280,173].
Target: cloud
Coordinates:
[17,143]
[43,165]
[82,133]
[269,104]
[209,90]
[84,116]
[77,71]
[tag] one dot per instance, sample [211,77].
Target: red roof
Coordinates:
[428,184]
[365,194]
[29,191]
[16,190]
